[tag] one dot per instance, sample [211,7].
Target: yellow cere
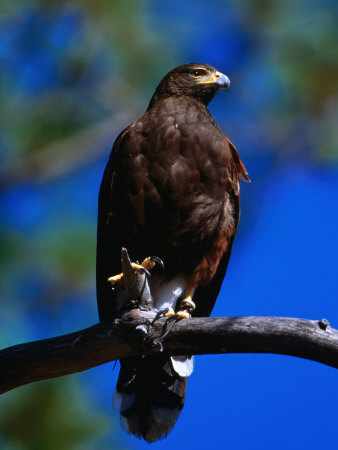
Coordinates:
[210,78]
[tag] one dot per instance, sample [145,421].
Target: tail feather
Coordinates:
[183,365]
[150,395]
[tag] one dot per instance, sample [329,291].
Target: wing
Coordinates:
[137,201]
[206,296]
[108,261]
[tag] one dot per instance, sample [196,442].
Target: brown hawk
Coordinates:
[171,189]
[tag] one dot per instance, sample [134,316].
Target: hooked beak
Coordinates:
[222,80]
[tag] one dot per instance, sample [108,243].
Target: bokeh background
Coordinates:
[72,75]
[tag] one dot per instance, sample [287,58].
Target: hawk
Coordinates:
[170,189]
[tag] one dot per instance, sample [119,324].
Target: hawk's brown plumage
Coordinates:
[171,189]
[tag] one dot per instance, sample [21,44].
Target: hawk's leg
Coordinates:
[187,306]
[146,265]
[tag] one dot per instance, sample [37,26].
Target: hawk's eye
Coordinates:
[198,72]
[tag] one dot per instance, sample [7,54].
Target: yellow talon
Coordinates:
[187,303]
[116,279]
[148,263]
[183,314]
[119,278]
[169,313]
[138,267]
[186,306]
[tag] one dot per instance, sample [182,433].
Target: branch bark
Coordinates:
[133,335]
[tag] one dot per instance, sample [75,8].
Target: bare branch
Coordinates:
[101,343]
[137,334]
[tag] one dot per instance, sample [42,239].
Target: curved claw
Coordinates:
[161,313]
[156,259]
[144,270]
[173,319]
[158,345]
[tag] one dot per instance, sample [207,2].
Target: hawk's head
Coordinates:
[201,81]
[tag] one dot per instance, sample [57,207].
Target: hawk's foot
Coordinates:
[146,265]
[164,312]
[119,278]
[183,314]
[173,317]
[186,307]
[150,262]
[170,312]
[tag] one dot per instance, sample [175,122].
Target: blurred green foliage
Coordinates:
[49,415]
[300,42]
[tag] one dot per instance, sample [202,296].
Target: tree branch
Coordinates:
[101,343]
[137,333]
